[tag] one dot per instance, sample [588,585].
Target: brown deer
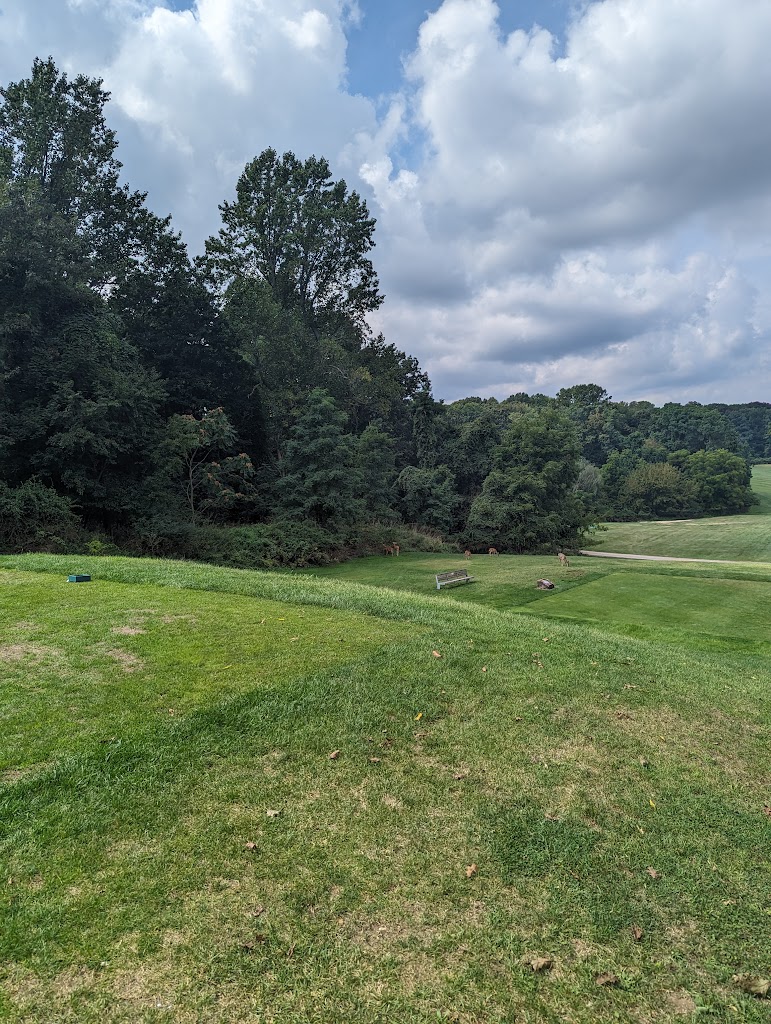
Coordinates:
[395,550]
[467,553]
[388,549]
[492,551]
[563,558]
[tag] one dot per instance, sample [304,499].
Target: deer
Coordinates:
[563,558]
[395,549]
[467,553]
[492,551]
[388,549]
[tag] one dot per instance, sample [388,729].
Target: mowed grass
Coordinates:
[713,607]
[740,538]
[503,787]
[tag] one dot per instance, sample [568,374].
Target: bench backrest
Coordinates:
[455,574]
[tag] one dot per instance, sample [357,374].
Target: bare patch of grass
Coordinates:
[128,662]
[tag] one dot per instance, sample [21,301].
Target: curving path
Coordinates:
[664,558]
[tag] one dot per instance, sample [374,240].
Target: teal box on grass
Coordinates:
[79,578]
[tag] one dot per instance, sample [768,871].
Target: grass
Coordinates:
[218,865]
[742,538]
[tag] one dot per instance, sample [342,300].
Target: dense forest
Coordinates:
[237,406]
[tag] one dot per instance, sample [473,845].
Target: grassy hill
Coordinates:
[235,796]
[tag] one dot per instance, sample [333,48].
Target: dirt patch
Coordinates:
[34,653]
[128,630]
[13,775]
[681,1003]
[169,619]
[128,662]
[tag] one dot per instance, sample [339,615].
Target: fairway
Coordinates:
[735,538]
[730,608]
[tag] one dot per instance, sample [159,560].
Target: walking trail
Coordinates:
[663,558]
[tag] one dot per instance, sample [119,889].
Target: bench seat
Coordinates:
[444,579]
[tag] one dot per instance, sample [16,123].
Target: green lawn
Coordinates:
[741,538]
[500,787]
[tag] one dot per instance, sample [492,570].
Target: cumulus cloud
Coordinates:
[549,212]
[585,198]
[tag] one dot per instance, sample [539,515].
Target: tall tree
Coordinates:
[306,236]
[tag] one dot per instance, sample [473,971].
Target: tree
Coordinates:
[427,497]
[319,479]
[196,452]
[528,501]
[302,234]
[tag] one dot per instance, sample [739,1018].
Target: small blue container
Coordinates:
[79,578]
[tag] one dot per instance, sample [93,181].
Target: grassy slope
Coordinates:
[560,760]
[746,538]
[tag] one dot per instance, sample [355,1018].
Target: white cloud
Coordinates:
[598,211]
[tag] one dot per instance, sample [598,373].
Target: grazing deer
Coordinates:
[467,553]
[563,558]
[395,550]
[388,549]
[492,551]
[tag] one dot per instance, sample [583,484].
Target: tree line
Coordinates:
[238,407]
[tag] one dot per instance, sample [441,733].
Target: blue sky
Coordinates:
[564,192]
[387,32]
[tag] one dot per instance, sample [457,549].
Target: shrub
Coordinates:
[33,517]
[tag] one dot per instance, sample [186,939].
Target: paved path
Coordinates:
[664,558]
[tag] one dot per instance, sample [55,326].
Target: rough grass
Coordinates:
[741,538]
[218,865]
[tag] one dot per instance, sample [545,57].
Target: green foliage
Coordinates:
[33,517]
[319,479]
[427,497]
[302,234]
[657,489]
[216,484]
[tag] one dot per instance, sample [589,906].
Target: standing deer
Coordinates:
[467,553]
[492,551]
[563,558]
[396,549]
[388,549]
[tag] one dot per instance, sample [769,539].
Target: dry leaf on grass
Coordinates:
[550,817]
[540,963]
[767,809]
[418,716]
[471,870]
[436,654]
[484,668]
[637,932]
[250,845]
[333,756]
[460,776]
[606,979]
[374,760]
[760,987]
[272,813]
[653,872]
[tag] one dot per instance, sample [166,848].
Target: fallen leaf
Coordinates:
[546,639]
[551,817]
[484,668]
[767,809]
[272,814]
[644,762]
[653,873]
[334,755]
[606,979]
[258,910]
[374,760]
[460,776]
[250,845]
[760,987]
[436,654]
[471,870]
[652,804]
[637,932]
[540,963]
[517,718]
[418,716]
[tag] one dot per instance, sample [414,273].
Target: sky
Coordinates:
[566,191]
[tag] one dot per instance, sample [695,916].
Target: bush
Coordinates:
[33,517]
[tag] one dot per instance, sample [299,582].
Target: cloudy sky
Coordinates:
[565,191]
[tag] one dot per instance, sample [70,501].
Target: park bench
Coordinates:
[454,576]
